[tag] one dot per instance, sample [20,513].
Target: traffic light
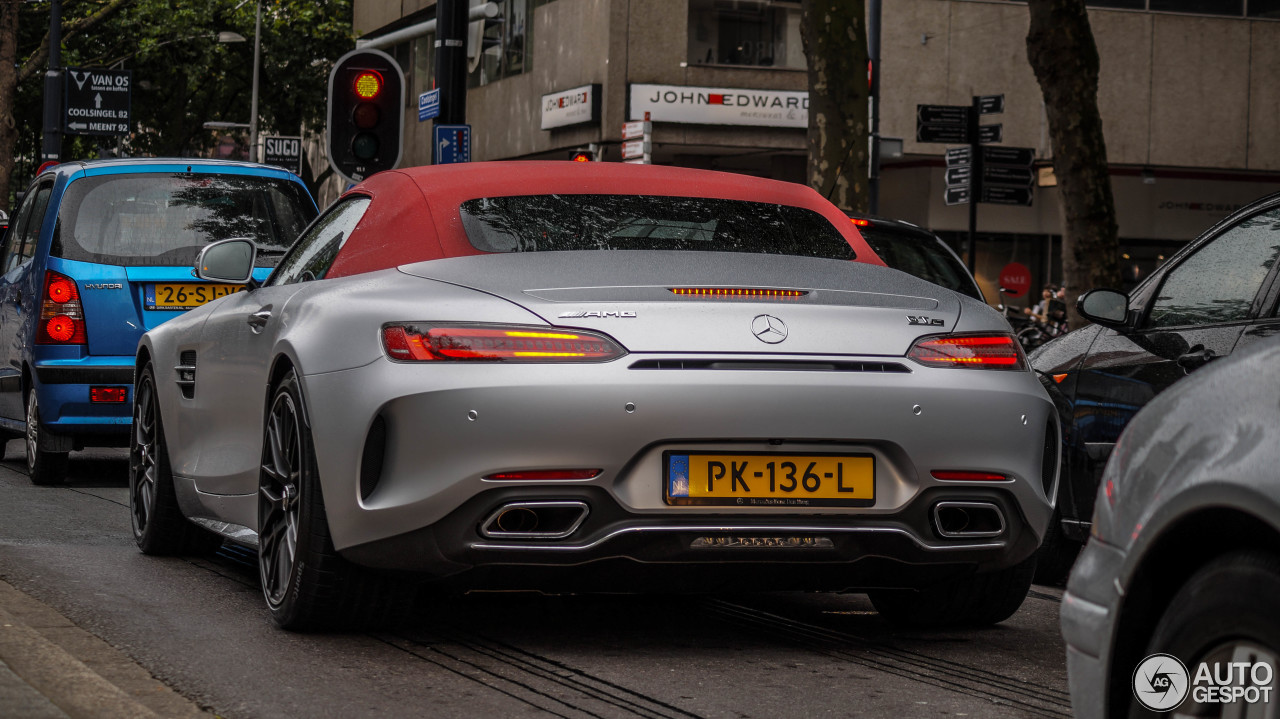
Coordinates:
[590,153]
[366,114]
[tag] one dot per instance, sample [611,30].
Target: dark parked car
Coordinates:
[1183,565]
[1215,296]
[917,251]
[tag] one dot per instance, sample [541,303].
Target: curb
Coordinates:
[52,656]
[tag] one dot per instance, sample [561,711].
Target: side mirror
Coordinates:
[227,261]
[1105,307]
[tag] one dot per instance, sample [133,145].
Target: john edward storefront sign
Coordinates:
[720,106]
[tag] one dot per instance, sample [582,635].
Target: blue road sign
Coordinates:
[453,144]
[429,105]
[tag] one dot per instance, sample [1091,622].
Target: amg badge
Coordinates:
[597,313]
[922,320]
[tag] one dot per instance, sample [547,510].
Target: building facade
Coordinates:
[1189,95]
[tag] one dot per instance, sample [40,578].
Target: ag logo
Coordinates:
[1161,682]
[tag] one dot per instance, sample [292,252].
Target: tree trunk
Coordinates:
[8,94]
[1064,57]
[835,45]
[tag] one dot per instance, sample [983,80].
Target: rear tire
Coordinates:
[305,582]
[46,469]
[159,526]
[1057,554]
[1224,613]
[973,601]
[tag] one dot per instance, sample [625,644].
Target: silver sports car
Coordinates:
[579,376]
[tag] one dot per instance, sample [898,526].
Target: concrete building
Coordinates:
[1190,95]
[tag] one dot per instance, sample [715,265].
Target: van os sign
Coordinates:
[720,106]
[98,102]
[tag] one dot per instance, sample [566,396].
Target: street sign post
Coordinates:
[429,105]
[637,137]
[283,152]
[452,144]
[98,102]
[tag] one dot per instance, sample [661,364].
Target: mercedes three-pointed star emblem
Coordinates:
[769,329]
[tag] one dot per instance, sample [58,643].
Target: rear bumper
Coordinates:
[63,391]
[901,550]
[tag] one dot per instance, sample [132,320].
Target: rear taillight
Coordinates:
[973,351]
[61,314]
[495,343]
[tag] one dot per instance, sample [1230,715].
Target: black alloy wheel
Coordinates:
[45,469]
[159,527]
[306,583]
[278,499]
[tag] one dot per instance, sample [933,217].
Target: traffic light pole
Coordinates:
[451,60]
[51,143]
[975,180]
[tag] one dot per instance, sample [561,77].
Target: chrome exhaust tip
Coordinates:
[960,520]
[534,520]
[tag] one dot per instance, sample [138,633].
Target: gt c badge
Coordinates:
[769,329]
[598,313]
[922,320]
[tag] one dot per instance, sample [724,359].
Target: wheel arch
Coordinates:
[1181,549]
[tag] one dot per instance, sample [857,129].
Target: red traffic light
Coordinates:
[367,84]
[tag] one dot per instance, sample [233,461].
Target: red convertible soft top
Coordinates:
[423,202]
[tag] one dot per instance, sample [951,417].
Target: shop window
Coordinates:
[1201,7]
[502,46]
[1265,8]
[1121,4]
[758,33]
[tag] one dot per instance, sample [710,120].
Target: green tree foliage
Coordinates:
[182,76]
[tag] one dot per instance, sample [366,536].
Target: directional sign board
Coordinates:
[956,195]
[942,115]
[942,133]
[98,101]
[429,105]
[1002,195]
[991,104]
[988,134]
[452,144]
[1002,175]
[636,129]
[1017,156]
[957,156]
[959,175]
[283,152]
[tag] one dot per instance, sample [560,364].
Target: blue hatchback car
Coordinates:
[98,253]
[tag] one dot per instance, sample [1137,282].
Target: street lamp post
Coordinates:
[254,155]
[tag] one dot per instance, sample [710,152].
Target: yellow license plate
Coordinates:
[770,480]
[185,296]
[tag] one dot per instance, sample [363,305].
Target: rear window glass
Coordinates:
[544,223]
[922,255]
[165,219]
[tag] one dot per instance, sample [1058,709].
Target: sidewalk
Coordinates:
[52,669]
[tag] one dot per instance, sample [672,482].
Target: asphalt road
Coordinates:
[200,627]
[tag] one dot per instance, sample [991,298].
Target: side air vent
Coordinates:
[771,365]
[186,370]
[1049,460]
